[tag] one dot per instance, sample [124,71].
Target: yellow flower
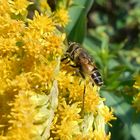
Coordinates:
[91,98]
[61,17]
[99,132]
[67,129]
[10,28]
[136,99]
[21,117]
[67,124]
[42,23]
[69,112]
[4,7]
[137,83]
[108,114]
[136,102]
[68,81]
[54,44]
[100,135]
[42,97]
[44,6]
[19,6]
[7,47]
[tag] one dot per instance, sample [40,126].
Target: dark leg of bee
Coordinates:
[83,76]
[74,66]
[83,100]
[63,59]
[80,71]
[93,84]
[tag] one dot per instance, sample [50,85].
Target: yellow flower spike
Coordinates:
[45,116]
[61,17]
[108,114]
[136,99]
[136,102]
[100,135]
[45,98]
[137,83]
[99,124]
[67,125]
[67,130]
[91,99]
[21,117]
[87,125]
[4,7]
[54,44]
[42,23]
[44,6]
[19,6]
[95,113]
[8,47]
[10,28]
[70,112]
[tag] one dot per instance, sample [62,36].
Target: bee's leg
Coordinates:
[83,76]
[63,59]
[83,99]
[78,70]
[74,66]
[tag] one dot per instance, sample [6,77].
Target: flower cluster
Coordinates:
[42,98]
[136,100]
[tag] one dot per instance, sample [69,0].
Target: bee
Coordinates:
[84,63]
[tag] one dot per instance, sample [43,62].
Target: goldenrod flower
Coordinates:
[44,6]
[19,6]
[108,114]
[137,83]
[67,124]
[136,100]
[61,17]
[41,97]
[91,98]
[4,7]
[70,112]
[42,23]
[22,126]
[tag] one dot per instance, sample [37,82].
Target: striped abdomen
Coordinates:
[96,76]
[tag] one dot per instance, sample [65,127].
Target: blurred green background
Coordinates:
[110,31]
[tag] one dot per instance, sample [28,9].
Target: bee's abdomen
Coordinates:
[96,76]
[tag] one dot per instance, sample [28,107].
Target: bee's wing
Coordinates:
[86,57]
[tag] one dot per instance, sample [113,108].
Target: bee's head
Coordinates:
[72,49]
[72,46]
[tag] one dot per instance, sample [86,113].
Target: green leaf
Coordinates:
[77,27]
[122,109]
[125,112]
[136,131]
[78,32]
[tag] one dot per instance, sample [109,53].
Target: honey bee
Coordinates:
[84,63]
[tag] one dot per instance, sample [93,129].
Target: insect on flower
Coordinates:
[83,62]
